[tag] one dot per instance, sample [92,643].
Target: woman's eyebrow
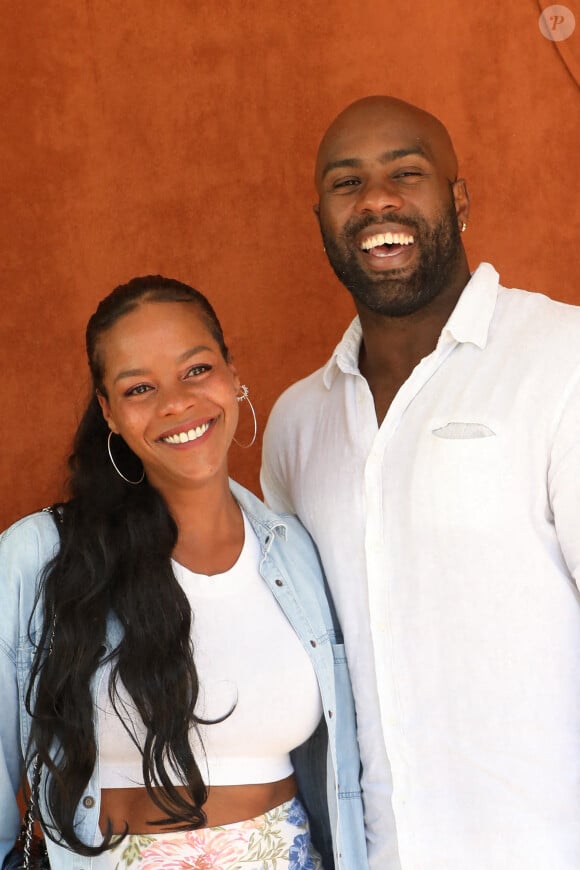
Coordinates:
[133,373]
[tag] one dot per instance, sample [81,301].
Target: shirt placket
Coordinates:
[380,568]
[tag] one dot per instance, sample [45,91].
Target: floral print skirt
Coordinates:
[278,840]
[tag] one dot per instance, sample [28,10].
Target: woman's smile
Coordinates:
[187,434]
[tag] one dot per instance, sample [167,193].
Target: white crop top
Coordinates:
[247,654]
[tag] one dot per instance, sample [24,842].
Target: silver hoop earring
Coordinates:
[245,397]
[116,467]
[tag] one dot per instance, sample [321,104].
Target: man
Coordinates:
[436,461]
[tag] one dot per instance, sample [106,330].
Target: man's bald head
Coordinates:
[405,125]
[391,208]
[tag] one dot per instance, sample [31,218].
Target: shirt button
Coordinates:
[88,802]
[279,582]
[330,714]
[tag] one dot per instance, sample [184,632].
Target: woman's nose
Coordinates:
[175,398]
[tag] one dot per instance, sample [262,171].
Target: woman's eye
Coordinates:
[198,369]
[138,390]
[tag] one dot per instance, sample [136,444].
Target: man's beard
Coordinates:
[391,293]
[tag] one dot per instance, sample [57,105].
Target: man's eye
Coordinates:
[138,390]
[408,173]
[346,182]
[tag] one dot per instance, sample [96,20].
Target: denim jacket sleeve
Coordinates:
[25,548]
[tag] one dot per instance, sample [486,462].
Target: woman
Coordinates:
[168,650]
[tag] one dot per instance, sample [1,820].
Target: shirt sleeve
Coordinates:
[274,479]
[564,477]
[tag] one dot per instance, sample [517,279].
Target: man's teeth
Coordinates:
[387,239]
[184,437]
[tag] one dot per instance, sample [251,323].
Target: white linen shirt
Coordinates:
[450,535]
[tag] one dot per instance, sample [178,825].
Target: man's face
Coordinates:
[388,212]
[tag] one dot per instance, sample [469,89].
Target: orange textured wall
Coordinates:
[179,138]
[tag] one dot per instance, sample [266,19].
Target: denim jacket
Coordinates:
[327,765]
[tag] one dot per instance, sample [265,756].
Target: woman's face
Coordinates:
[170,393]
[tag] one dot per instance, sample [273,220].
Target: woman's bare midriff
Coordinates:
[225,804]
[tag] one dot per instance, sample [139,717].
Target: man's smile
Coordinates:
[378,245]
[386,239]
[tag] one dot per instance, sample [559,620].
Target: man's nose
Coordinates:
[379,195]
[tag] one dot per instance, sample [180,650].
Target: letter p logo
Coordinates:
[557,23]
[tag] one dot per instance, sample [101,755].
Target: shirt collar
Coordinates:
[345,355]
[469,322]
[471,318]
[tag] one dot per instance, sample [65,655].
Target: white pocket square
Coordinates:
[463,430]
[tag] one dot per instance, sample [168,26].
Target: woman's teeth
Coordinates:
[190,435]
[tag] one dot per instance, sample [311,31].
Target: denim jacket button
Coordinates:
[88,802]
[312,643]
[279,582]
[330,714]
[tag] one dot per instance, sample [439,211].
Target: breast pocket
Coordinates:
[464,474]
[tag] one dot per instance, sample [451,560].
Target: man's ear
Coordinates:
[461,199]
[316,209]
[106,409]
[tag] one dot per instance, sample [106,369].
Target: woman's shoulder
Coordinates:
[25,549]
[288,541]
[29,542]
[290,526]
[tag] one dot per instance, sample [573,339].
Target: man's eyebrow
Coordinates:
[339,164]
[396,154]
[136,373]
[386,157]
